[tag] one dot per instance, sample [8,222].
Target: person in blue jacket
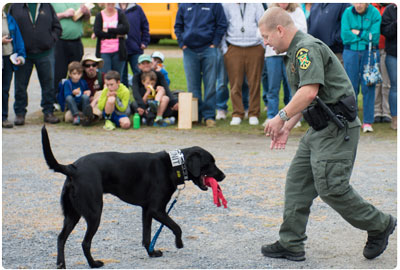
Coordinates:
[199,29]
[138,37]
[358,22]
[75,93]
[324,23]
[12,45]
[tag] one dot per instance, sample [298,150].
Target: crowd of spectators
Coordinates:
[222,49]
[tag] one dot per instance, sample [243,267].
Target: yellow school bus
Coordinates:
[161,17]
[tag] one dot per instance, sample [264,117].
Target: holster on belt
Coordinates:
[344,110]
[315,117]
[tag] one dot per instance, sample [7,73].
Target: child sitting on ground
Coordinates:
[75,94]
[157,64]
[114,102]
[154,96]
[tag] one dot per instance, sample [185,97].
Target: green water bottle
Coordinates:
[136,121]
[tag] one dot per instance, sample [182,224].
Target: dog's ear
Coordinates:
[193,162]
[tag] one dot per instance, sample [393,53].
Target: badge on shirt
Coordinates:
[302,57]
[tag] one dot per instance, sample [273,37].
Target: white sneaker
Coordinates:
[236,121]
[246,114]
[221,114]
[57,107]
[266,122]
[253,120]
[298,124]
[367,128]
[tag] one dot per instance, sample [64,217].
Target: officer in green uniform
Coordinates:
[324,160]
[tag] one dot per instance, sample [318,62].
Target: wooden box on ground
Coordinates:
[188,110]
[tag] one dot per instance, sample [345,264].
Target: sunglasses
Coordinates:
[91,65]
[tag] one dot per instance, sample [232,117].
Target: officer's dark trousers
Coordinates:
[322,167]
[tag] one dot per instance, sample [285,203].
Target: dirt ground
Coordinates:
[213,237]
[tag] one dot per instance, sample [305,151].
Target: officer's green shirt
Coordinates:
[70,30]
[310,61]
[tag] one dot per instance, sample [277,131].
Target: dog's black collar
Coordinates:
[178,164]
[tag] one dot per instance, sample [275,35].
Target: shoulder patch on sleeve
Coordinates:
[302,57]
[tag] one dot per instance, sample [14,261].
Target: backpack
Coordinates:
[60,94]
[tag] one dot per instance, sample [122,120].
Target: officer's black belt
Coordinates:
[318,115]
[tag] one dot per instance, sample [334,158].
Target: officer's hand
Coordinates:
[273,127]
[280,141]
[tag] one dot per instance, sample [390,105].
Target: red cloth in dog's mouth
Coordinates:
[217,191]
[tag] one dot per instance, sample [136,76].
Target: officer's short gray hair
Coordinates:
[275,16]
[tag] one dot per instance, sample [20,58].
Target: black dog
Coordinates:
[144,179]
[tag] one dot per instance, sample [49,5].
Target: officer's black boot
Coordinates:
[277,251]
[377,244]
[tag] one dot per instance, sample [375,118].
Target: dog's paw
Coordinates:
[96,264]
[156,253]
[179,243]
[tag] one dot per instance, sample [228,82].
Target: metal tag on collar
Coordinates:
[176,157]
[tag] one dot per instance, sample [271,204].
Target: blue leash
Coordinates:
[154,240]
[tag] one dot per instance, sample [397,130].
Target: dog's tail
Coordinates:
[49,157]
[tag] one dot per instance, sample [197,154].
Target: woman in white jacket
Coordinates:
[274,66]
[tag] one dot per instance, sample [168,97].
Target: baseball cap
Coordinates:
[92,57]
[158,55]
[144,57]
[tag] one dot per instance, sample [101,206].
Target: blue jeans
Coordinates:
[74,106]
[276,73]
[45,73]
[7,73]
[354,62]
[222,86]
[112,62]
[264,82]
[202,66]
[391,65]
[133,61]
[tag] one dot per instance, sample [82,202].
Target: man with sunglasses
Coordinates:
[94,78]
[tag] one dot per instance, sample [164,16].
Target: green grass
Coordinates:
[88,43]
[177,76]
